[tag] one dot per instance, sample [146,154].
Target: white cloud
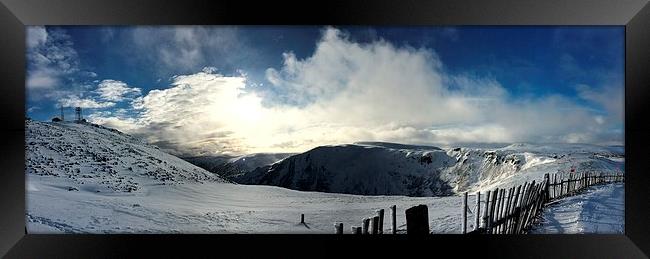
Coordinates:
[51,59]
[42,79]
[115,91]
[183,48]
[75,101]
[36,35]
[347,92]
[608,97]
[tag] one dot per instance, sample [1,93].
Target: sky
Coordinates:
[212,90]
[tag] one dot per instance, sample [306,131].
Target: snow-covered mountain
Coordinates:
[89,157]
[377,168]
[84,178]
[233,166]
[359,169]
[209,163]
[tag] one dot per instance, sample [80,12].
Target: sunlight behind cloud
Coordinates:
[347,92]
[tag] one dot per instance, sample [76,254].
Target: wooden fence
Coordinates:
[515,210]
[505,211]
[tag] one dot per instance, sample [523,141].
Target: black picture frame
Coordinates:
[15,14]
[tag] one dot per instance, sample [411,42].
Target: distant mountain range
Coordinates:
[380,168]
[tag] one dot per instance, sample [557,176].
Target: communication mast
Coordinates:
[77,111]
[62,119]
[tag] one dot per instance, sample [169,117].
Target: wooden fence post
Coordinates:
[486,212]
[380,213]
[514,211]
[525,207]
[375,225]
[492,207]
[393,212]
[339,227]
[417,220]
[302,218]
[356,230]
[366,223]
[547,190]
[464,227]
[506,215]
[502,194]
[478,210]
[554,186]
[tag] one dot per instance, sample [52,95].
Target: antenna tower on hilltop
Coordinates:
[77,111]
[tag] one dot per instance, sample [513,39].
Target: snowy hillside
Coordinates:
[92,158]
[376,168]
[600,209]
[232,166]
[359,169]
[209,163]
[84,178]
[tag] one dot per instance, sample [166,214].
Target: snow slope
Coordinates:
[601,209]
[209,162]
[217,208]
[83,178]
[377,168]
[233,166]
[92,158]
[359,169]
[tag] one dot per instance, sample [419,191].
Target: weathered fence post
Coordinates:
[393,212]
[547,191]
[487,209]
[478,210]
[375,225]
[302,218]
[492,207]
[600,180]
[366,224]
[464,213]
[554,186]
[499,207]
[339,227]
[380,213]
[356,230]
[417,220]
[514,211]
[506,213]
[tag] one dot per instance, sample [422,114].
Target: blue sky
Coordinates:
[311,85]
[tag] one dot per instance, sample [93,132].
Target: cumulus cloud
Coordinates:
[47,59]
[115,91]
[53,65]
[88,103]
[347,92]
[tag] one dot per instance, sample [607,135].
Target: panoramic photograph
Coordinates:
[325,129]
